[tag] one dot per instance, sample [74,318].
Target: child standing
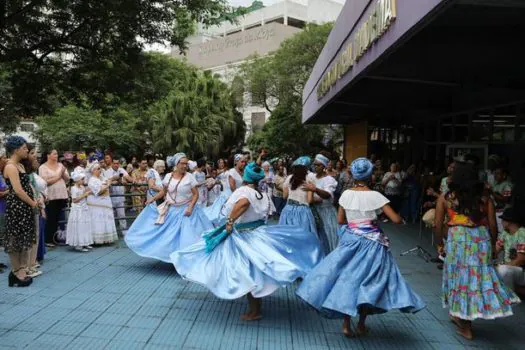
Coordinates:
[360,277]
[79,232]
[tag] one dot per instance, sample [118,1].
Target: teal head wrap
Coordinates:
[253,173]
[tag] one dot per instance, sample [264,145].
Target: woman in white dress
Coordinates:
[103,226]
[323,186]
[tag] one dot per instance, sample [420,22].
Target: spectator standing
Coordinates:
[56,176]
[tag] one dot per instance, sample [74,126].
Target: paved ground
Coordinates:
[113,299]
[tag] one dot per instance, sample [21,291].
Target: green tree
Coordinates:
[277,82]
[54,49]
[80,127]
[197,117]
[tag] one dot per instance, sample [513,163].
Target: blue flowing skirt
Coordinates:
[359,272]
[298,215]
[159,241]
[256,261]
[328,232]
[214,211]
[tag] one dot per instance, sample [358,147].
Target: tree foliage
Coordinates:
[81,127]
[58,50]
[277,82]
[197,117]
[167,100]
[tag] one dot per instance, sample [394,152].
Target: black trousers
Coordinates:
[53,210]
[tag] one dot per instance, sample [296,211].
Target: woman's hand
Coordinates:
[188,211]
[229,228]
[309,187]
[149,201]
[34,204]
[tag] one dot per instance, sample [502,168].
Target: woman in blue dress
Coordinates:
[245,256]
[297,211]
[176,223]
[360,277]
[231,180]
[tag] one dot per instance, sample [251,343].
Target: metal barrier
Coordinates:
[129,218]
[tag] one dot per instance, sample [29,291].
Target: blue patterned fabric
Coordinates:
[359,272]
[361,169]
[303,161]
[471,286]
[159,241]
[256,261]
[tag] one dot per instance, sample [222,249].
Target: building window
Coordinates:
[27,127]
[258,120]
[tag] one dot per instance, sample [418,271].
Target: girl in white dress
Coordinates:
[100,208]
[79,232]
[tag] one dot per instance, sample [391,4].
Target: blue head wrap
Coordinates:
[303,161]
[322,159]
[13,143]
[175,159]
[253,173]
[361,169]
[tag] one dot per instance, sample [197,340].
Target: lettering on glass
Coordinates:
[380,19]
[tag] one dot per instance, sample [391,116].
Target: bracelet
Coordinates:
[229,221]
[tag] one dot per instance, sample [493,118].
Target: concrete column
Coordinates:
[356,140]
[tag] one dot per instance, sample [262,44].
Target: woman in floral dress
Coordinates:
[471,287]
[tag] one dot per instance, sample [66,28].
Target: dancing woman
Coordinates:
[471,287]
[176,223]
[360,277]
[245,256]
[297,211]
[323,187]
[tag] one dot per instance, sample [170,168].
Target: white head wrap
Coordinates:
[78,175]
[237,157]
[93,165]
[175,159]
[322,159]
[192,165]
[266,164]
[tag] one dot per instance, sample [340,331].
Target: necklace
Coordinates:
[360,184]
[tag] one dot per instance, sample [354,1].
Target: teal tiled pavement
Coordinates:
[112,299]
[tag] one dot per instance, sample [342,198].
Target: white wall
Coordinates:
[21,131]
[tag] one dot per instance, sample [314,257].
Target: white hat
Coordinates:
[78,175]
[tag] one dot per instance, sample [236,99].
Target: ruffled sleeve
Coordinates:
[362,200]
[191,180]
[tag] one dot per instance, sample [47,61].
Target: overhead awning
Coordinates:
[426,58]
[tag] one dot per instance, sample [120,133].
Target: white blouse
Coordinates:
[182,192]
[259,209]
[75,193]
[362,205]
[326,183]
[298,194]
